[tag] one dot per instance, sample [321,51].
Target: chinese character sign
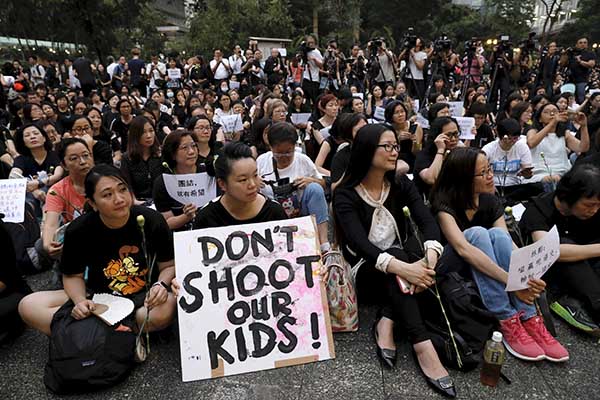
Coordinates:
[12,199]
[251,298]
[197,189]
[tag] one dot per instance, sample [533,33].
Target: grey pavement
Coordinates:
[355,373]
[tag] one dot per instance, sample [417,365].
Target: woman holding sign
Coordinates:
[368,207]
[472,220]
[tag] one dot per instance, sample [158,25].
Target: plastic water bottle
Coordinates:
[493,358]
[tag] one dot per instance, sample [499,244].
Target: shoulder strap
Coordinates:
[275,169]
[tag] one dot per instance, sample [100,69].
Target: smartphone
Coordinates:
[404,285]
[59,235]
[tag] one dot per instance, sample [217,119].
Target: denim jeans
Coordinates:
[313,202]
[496,243]
[580,92]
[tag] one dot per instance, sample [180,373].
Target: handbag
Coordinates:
[341,293]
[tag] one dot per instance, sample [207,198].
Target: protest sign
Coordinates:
[231,123]
[299,118]
[416,105]
[379,113]
[174,73]
[533,261]
[424,122]
[456,108]
[282,52]
[359,95]
[251,298]
[197,189]
[234,85]
[12,199]
[465,126]
[325,132]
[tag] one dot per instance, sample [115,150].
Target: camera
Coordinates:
[410,39]
[528,45]
[376,43]
[303,50]
[442,44]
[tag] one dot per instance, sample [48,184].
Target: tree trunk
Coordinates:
[315,19]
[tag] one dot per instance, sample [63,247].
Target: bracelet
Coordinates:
[442,153]
[161,283]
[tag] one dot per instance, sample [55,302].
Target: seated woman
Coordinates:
[180,152]
[511,160]
[66,199]
[36,162]
[82,128]
[141,164]
[368,211]
[479,246]
[207,143]
[99,240]
[409,134]
[550,143]
[443,138]
[344,128]
[306,195]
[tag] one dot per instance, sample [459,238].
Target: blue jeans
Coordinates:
[313,202]
[496,243]
[580,92]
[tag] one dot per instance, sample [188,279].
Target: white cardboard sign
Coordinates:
[12,199]
[231,123]
[466,125]
[197,189]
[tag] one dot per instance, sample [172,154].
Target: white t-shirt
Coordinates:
[556,156]
[221,72]
[314,69]
[155,73]
[416,72]
[301,166]
[506,164]
[235,62]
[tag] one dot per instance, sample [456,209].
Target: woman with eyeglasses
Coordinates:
[206,138]
[479,246]
[374,234]
[83,128]
[442,139]
[550,143]
[180,152]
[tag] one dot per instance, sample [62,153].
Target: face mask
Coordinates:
[170,94]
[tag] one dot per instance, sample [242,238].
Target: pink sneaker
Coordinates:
[518,342]
[553,349]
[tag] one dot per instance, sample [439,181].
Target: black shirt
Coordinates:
[542,215]
[114,257]
[30,167]
[121,131]
[423,160]
[84,71]
[141,174]
[579,73]
[484,136]
[340,162]
[488,212]
[214,215]
[102,153]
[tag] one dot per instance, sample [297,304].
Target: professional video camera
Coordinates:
[303,50]
[504,46]
[375,43]
[410,39]
[527,46]
[442,44]
[471,46]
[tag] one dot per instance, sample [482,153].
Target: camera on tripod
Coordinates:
[527,46]
[410,39]
[504,46]
[304,49]
[442,44]
[471,46]
[375,44]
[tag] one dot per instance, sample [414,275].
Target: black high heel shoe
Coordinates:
[386,356]
[443,385]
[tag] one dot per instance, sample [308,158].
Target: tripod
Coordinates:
[436,66]
[467,79]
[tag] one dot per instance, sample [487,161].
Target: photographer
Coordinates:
[548,66]
[381,63]
[501,60]
[417,58]
[581,63]
[331,74]
[473,62]
[356,69]
[313,61]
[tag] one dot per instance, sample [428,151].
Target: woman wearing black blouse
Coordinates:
[207,137]
[142,164]
[370,203]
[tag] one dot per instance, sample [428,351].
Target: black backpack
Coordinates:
[87,355]
[472,324]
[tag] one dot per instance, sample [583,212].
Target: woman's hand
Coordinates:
[432,258]
[175,287]
[418,274]
[551,178]
[39,195]
[405,135]
[536,287]
[581,119]
[157,296]
[301,182]
[54,249]
[83,309]
[440,141]
[32,185]
[189,210]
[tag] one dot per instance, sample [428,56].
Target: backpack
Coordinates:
[472,324]
[87,354]
[24,236]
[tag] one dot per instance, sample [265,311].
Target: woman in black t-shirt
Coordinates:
[206,136]
[344,130]
[472,220]
[105,247]
[83,128]
[409,134]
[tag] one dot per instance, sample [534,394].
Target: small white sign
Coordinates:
[12,199]
[466,125]
[299,118]
[231,123]
[456,108]
[197,189]
[174,73]
[234,85]
[379,113]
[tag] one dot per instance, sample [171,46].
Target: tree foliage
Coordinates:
[586,24]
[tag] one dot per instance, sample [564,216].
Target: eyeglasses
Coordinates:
[187,147]
[281,155]
[453,134]
[83,157]
[202,128]
[390,147]
[487,172]
[82,129]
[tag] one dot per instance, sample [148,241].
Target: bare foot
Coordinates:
[385,333]
[429,361]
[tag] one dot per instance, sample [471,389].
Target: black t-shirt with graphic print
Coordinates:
[114,257]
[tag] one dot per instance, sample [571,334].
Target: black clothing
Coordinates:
[114,258]
[579,73]
[489,210]
[340,162]
[121,131]
[423,160]
[30,167]
[102,153]
[215,215]
[141,174]
[484,136]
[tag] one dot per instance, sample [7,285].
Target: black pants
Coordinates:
[517,193]
[416,88]
[502,84]
[580,279]
[11,324]
[404,309]
[311,90]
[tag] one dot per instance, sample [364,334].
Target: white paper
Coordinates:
[518,210]
[266,264]
[466,125]
[231,123]
[118,307]
[424,122]
[299,118]
[360,95]
[532,262]
[456,108]
[282,52]
[174,73]
[12,199]
[325,132]
[416,105]
[197,189]
[379,113]
[372,121]
[234,85]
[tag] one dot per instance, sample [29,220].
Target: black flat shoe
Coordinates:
[386,356]
[443,385]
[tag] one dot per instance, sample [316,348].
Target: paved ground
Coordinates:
[354,374]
